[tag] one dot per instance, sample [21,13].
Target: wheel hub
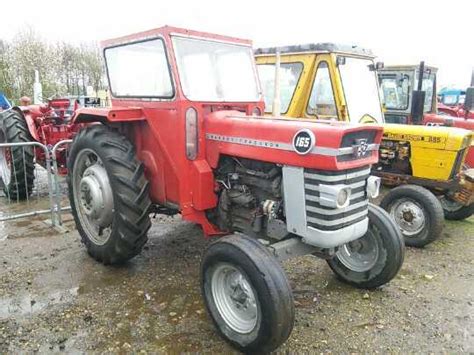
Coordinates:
[409,216]
[95,195]
[360,255]
[234,298]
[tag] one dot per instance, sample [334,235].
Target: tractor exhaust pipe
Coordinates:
[276,107]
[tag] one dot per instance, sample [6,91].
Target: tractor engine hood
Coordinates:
[431,137]
[325,145]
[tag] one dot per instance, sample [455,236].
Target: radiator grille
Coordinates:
[330,219]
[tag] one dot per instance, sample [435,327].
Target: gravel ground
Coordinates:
[55,298]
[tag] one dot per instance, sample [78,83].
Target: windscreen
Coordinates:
[360,89]
[139,69]
[289,75]
[216,71]
[395,90]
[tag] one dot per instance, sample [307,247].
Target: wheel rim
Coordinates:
[234,298]
[360,255]
[409,216]
[450,205]
[5,169]
[93,196]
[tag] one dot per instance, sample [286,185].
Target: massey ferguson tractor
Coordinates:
[410,97]
[185,134]
[330,82]
[47,124]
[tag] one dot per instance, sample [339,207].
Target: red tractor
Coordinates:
[185,135]
[47,124]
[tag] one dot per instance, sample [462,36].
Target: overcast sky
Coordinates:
[399,32]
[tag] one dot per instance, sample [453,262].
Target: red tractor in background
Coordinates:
[185,134]
[47,124]
[455,111]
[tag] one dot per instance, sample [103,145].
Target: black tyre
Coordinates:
[417,212]
[374,259]
[247,294]
[108,192]
[17,163]
[454,211]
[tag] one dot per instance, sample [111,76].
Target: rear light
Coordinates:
[256,112]
[191,133]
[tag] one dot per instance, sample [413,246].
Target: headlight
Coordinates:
[334,196]
[343,198]
[373,186]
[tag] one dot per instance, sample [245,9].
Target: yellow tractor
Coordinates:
[333,82]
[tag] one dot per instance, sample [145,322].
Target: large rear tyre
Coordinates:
[247,294]
[417,212]
[374,259]
[109,194]
[16,164]
[454,211]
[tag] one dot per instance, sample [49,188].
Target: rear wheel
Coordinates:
[247,294]
[417,212]
[109,194]
[374,259]
[454,210]
[17,163]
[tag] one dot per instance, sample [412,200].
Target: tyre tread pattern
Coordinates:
[130,190]
[22,177]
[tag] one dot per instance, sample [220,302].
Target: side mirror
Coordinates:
[417,106]
[376,66]
[340,60]
[469,100]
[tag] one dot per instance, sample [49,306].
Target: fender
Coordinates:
[108,115]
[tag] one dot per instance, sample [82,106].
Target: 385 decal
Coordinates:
[304,141]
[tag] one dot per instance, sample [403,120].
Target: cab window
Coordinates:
[289,76]
[321,102]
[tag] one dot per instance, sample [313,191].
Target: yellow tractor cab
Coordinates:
[332,82]
[322,81]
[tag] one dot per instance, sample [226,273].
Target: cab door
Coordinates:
[322,100]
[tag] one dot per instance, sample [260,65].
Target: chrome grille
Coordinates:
[331,219]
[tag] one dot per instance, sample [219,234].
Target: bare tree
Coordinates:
[65,69]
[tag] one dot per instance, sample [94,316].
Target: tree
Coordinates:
[65,68]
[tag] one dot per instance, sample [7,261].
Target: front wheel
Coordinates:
[417,212]
[454,211]
[374,259]
[247,294]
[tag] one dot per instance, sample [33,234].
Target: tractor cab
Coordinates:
[323,80]
[402,89]
[410,97]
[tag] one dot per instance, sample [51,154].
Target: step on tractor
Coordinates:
[330,82]
[185,134]
[410,97]
[47,124]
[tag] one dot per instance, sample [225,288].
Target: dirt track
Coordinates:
[54,297]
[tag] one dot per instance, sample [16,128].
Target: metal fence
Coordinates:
[28,188]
